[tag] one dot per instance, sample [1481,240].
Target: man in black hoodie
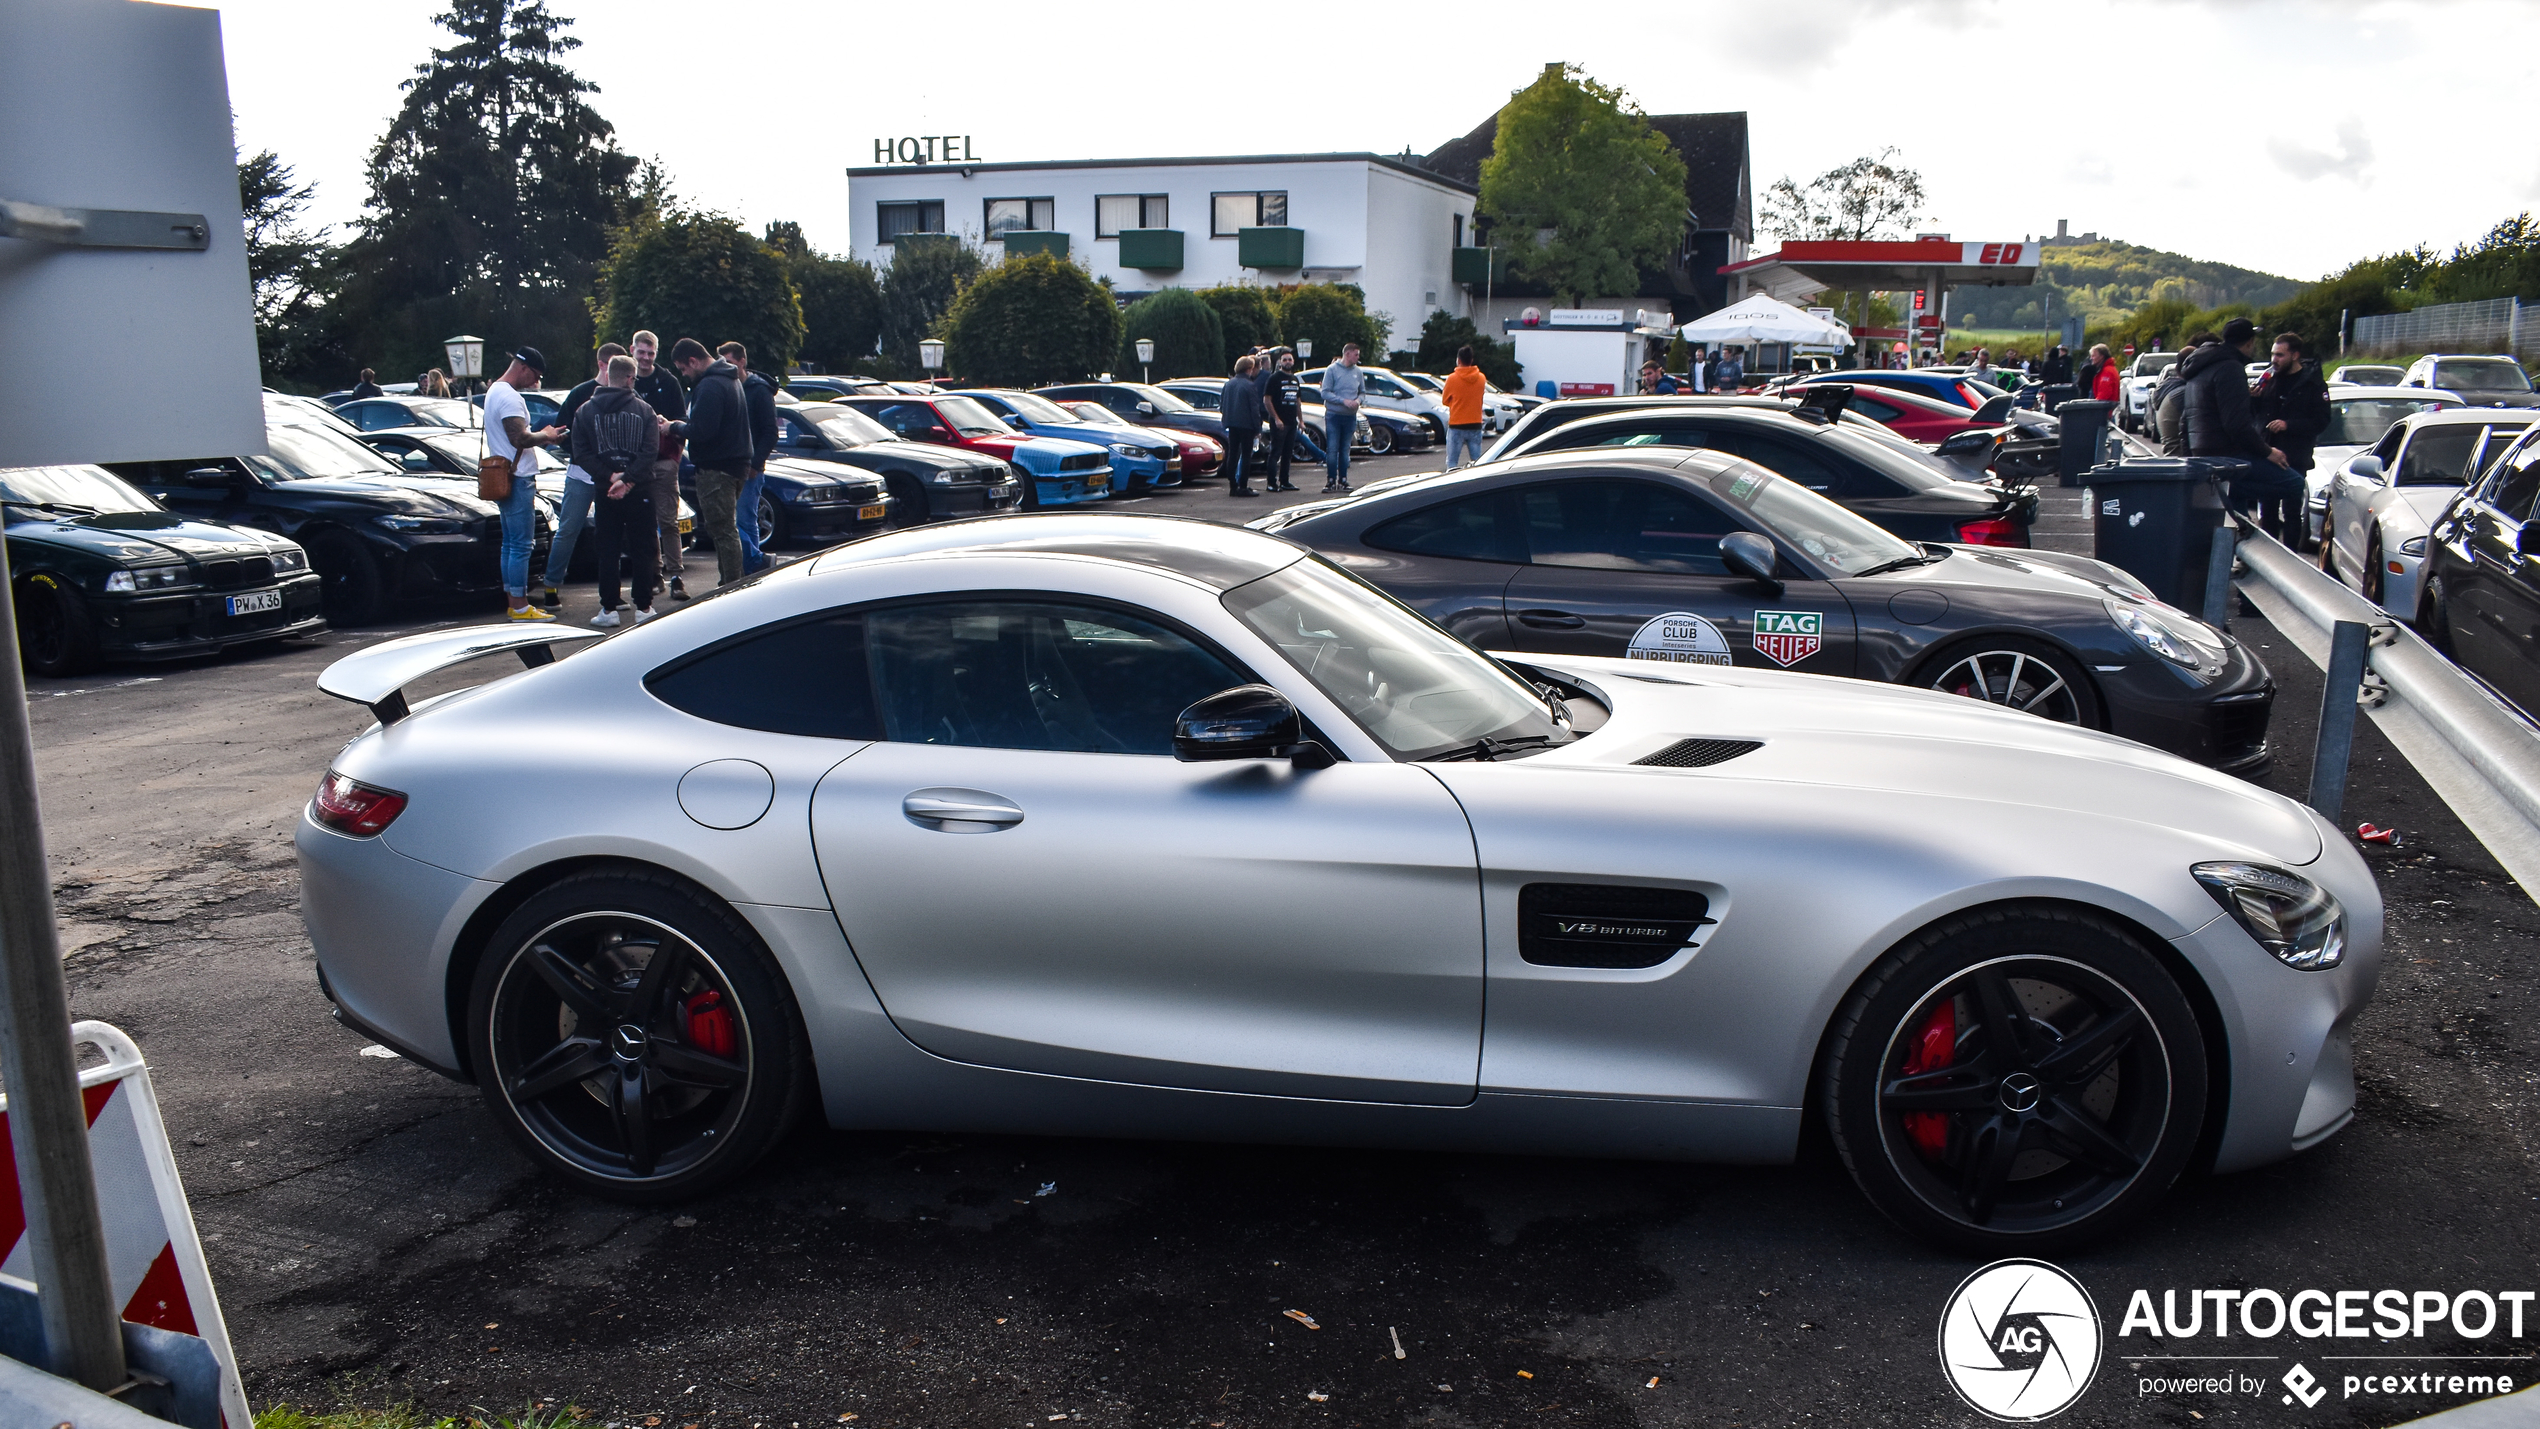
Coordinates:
[2215,382]
[661,392]
[615,437]
[718,433]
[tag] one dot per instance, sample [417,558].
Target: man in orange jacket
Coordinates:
[1464,389]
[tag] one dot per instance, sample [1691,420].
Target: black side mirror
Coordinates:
[2527,540]
[1246,722]
[218,477]
[1751,556]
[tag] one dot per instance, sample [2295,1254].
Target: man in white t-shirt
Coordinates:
[508,434]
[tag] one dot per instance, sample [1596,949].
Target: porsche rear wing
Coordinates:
[377,677]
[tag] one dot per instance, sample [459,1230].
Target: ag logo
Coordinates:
[2019,1341]
[1787,637]
[1681,636]
[2305,1386]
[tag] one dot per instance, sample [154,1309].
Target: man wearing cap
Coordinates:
[2214,386]
[508,435]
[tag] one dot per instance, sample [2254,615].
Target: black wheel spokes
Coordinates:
[2073,1133]
[1990,1152]
[2081,1058]
[1965,1087]
[569,1063]
[630,1109]
[689,1067]
[587,998]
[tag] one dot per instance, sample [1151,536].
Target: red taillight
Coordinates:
[1934,1047]
[1994,531]
[350,807]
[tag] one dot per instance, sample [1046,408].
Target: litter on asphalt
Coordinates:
[1301,1318]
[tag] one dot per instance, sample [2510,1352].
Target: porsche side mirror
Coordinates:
[2366,466]
[216,477]
[1246,722]
[1751,556]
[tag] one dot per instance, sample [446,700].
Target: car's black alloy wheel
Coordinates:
[1379,438]
[350,583]
[2024,675]
[771,524]
[2016,1080]
[908,499]
[55,634]
[633,1035]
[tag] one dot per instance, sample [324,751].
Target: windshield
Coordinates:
[463,450]
[2152,364]
[315,454]
[851,427]
[1837,539]
[431,413]
[1905,466]
[1164,401]
[1415,689]
[2360,421]
[1038,409]
[66,486]
[1423,381]
[970,419]
[1097,412]
[2481,376]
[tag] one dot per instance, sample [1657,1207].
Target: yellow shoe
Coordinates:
[529,612]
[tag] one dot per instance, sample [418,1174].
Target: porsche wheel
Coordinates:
[635,1037]
[1379,439]
[2017,674]
[2015,1081]
[55,634]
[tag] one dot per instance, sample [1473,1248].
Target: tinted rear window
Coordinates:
[807,677]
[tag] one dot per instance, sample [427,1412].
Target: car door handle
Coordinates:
[1550,619]
[960,811]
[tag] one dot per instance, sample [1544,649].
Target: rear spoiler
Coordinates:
[377,677]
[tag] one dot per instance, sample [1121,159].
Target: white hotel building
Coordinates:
[1390,227]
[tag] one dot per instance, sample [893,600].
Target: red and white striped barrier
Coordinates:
[151,1249]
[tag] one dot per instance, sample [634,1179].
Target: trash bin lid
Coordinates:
[2156,469]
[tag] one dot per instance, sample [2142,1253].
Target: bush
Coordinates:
[1189,339]
[925,275]
[1031,321]
[701,275]
[1247,317]
[1328,315]
[1444,332]
[842,309]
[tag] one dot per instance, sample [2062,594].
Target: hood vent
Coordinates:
[1700,753]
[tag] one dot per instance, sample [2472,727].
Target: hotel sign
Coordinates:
[924,149]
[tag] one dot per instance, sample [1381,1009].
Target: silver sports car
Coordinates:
[1124,825]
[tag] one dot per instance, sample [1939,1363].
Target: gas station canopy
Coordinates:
[1798,269]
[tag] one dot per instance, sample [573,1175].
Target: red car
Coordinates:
[1910,415]
[1055,472]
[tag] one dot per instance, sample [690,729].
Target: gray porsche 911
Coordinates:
[1705,558]
[847,835]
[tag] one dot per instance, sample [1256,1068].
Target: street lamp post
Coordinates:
[930,355]
[1146,355]
[466,356]
[1304,350]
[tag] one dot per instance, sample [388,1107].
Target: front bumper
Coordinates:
[2222,724]
[833,520]
[169,627]
[436,563]
[1068,488]
[981,499]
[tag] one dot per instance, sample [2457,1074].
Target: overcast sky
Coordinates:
[2352,129]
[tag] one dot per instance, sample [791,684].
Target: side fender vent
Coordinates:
[1700,753]
[1598,925]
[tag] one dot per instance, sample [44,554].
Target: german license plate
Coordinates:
[871,513]
[1097,483]
[255,602]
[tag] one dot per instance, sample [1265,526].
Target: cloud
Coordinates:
[2089,168]
[2350,160]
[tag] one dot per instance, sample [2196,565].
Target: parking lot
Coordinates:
[375,1238]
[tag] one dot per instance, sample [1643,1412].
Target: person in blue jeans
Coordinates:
[509,435]
[758,394]
[576,512]
[1344,387]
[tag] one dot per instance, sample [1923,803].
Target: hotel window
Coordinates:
[1039,215]
[1229,213]
[903,218]
[1114,212]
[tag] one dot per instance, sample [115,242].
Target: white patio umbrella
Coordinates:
[1762,319]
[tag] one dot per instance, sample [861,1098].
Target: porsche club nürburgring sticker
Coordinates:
[1787,637]
[1681,636]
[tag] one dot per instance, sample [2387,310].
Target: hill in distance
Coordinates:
[2106,280]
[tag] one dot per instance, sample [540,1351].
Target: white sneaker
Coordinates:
[643,615]
[605,619]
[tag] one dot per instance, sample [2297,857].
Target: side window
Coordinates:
[1624,525]
[905,418]
[1874,409]
[2439,456]
[1023,674]
[1820,473]
[2512,488]
[1477,528]
[804,677]
[2388,450]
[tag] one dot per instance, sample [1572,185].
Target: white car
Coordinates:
[1498,408]
[2368,374]
[2381,502]
[2479,381]
[2358,417]
[2134,390]
[1388,392]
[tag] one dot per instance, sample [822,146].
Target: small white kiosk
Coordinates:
[1584,352]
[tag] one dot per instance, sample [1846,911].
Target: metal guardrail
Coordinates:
[2491,739]
[2489,325]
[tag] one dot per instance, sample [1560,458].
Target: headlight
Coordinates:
[2413,546]
[286,562]
[2172,635]
[145,578]
[2289,915]
[420,523]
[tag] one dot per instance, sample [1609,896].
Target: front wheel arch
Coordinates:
[1957,647]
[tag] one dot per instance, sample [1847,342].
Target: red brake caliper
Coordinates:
[710,1024]
[1933,1048]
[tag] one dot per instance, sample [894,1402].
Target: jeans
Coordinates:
[1338,428]
[577,514]
[624,529]
[746,516]
[1298,437]
[663,488]
[718,495]
[1468,441]
[1239,442]
[1282,451]
[2271,496]
[520,534]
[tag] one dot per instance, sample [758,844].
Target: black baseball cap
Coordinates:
[2238,331]
[532,358]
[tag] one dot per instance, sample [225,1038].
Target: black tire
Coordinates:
[2434,617]
[1297,444]
[352,588]
[908,499]
[771,522]
[2000,669]
[1379,439]
[55,634]
[566,986]
[2374,588]
[1029,491]
[2087,1121]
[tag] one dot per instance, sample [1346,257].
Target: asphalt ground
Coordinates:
[376,1240]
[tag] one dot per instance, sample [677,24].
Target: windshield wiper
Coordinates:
[1901,562]
[1487,750]
[51,506]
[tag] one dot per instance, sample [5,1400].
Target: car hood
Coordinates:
[2495,399]
[903,453]
[2029,573]
[413,494]
[147,536]
[1853,734]
[1055,448]
[2422,502]
[1092,435]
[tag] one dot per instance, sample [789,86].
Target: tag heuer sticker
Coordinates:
[1787,637]
[1681,636]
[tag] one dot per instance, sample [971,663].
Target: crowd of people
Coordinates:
[1263,406]
[625,434]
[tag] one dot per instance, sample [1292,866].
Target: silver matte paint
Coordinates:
[1251,951]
